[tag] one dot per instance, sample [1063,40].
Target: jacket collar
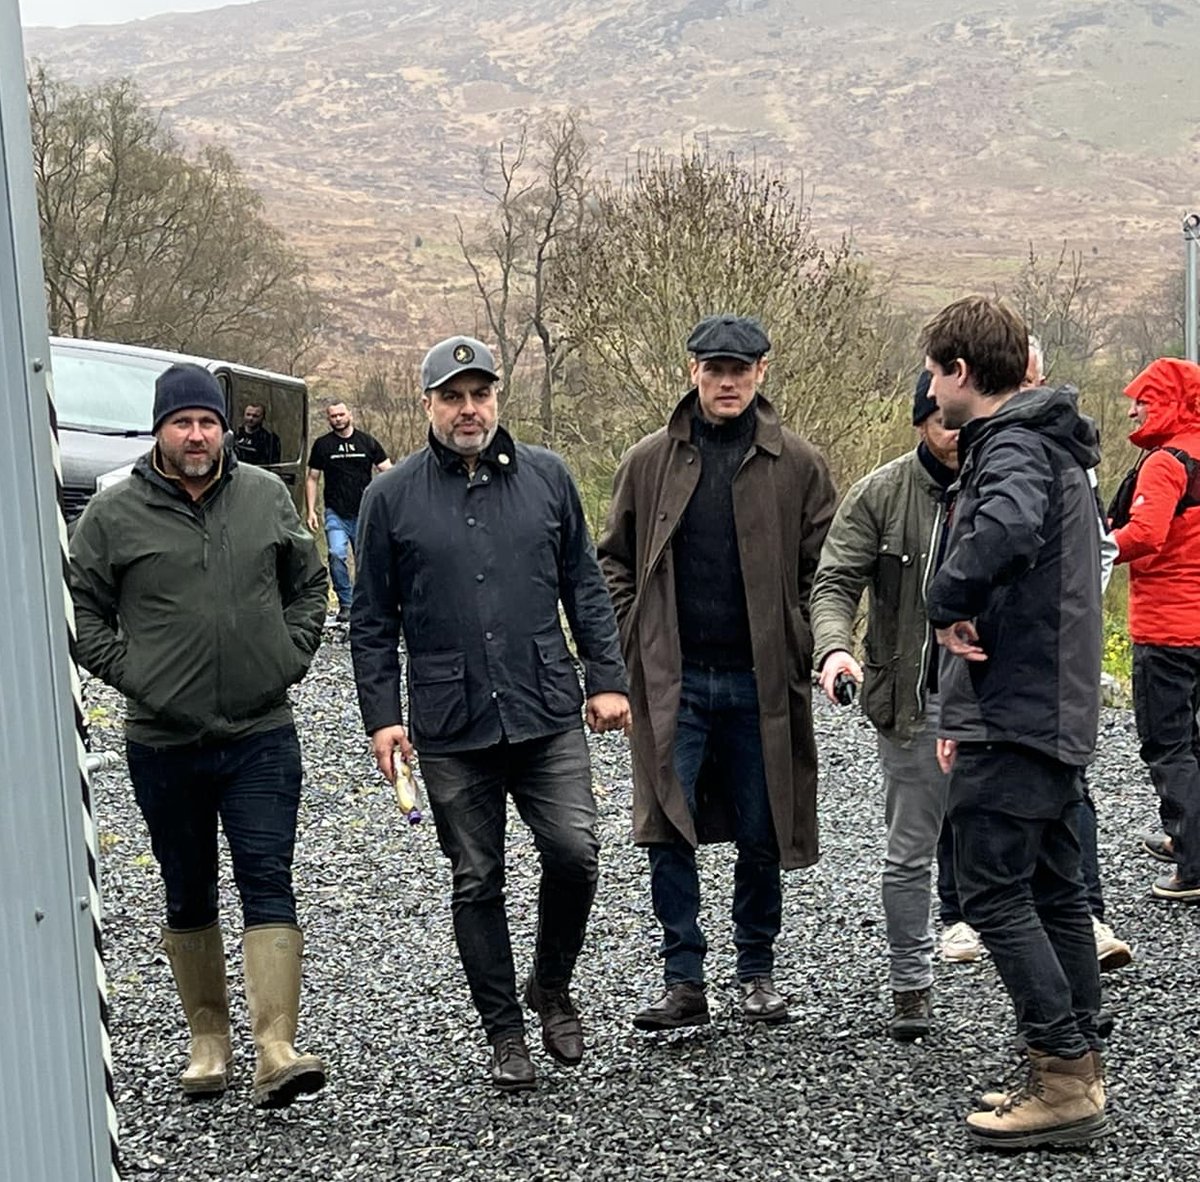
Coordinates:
[768,434]
[500,454]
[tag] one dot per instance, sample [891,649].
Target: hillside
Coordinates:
[944,137]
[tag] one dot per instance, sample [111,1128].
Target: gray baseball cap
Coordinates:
[455,355]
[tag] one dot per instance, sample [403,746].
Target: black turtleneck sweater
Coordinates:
[710,598]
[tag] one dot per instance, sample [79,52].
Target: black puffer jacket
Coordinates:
[1023,562]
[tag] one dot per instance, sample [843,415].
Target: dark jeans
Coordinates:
[1016,815]
[951,913]
[550,781]
[1166,695]
[718,722]
[253,786]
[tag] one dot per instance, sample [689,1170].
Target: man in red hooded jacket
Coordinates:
[1161,543]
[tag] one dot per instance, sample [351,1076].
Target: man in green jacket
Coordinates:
[199,595]
[887,539]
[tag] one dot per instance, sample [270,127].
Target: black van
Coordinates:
[104,399]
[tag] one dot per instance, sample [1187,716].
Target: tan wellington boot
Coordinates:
[272,955]
[197,959]
[1062,1103]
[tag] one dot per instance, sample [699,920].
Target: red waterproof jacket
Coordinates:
[1163,549]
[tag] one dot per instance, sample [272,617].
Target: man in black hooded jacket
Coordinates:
[1017,607]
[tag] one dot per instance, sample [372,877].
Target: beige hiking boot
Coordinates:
[197,959]
[1110,952]
[1061,1103]
[273,992]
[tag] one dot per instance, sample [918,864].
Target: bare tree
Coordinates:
[144,245]
[681,238]
[539,195]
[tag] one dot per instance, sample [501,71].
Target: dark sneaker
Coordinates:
[343,616]
[913,1016]
[1171,886]
[762,1002]
[562,1031]
[1158,845]
[682,1005]
[512,1069]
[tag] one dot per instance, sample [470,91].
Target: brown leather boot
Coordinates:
[683,1004]
[273,992]
[197,959]
[1061,1103]
[562,1031]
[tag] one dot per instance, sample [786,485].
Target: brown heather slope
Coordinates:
[943,136]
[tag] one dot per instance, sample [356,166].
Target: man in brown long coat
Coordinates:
[713,537]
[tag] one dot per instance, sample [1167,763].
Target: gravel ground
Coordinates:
[827,1096]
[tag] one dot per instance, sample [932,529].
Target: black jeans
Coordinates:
[1166,694]
[950,912]
[1016,816]
[550,781]
[253,786]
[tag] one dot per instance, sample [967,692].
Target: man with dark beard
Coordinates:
[199,595]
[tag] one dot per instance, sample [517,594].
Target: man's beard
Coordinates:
[471,447]
[190,465]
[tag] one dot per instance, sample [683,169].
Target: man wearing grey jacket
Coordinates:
[887,539]
[199,595]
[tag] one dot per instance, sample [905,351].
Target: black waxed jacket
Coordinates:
[1023,563]
[472,569]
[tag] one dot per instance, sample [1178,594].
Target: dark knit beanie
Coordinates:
[186,386]
[923,404]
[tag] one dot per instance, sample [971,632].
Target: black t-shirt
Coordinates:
[259,446]
[347,464]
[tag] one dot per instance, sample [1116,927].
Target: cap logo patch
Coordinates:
[463,354]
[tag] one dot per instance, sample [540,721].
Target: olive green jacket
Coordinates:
[884,539]
[201,614]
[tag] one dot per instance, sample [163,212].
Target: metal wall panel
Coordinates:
[57,1123]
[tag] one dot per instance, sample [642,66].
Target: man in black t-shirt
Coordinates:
[348,458]
[252,442]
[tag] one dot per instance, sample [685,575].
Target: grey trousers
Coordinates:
[915,794]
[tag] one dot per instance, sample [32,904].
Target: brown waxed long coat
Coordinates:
[783,501]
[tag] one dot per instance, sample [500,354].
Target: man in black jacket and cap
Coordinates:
[1017,607]
[468,547]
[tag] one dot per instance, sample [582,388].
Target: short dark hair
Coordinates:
[987,334]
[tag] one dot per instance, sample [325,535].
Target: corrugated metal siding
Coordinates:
[56,1119]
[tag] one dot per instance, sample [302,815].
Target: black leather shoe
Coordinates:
[562,1031]
[762,1002]
[512,1070]
[913,1017]
[682,1005]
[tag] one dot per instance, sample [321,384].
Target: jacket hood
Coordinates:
[1052,412]
[1170,388]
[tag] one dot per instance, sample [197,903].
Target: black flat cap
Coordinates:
[741,337]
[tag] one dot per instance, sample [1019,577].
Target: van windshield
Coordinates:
[104,392]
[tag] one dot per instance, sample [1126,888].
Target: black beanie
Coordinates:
[923,405]
[186,386]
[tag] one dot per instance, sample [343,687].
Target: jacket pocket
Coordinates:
[260,662]
[879,694]
[557,679]
[437,693]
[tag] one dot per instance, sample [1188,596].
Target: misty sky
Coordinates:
[107,12]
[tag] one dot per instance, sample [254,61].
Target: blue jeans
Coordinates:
[1016,816]
[253,786]
[341,535]
[550,781]
[718,727]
